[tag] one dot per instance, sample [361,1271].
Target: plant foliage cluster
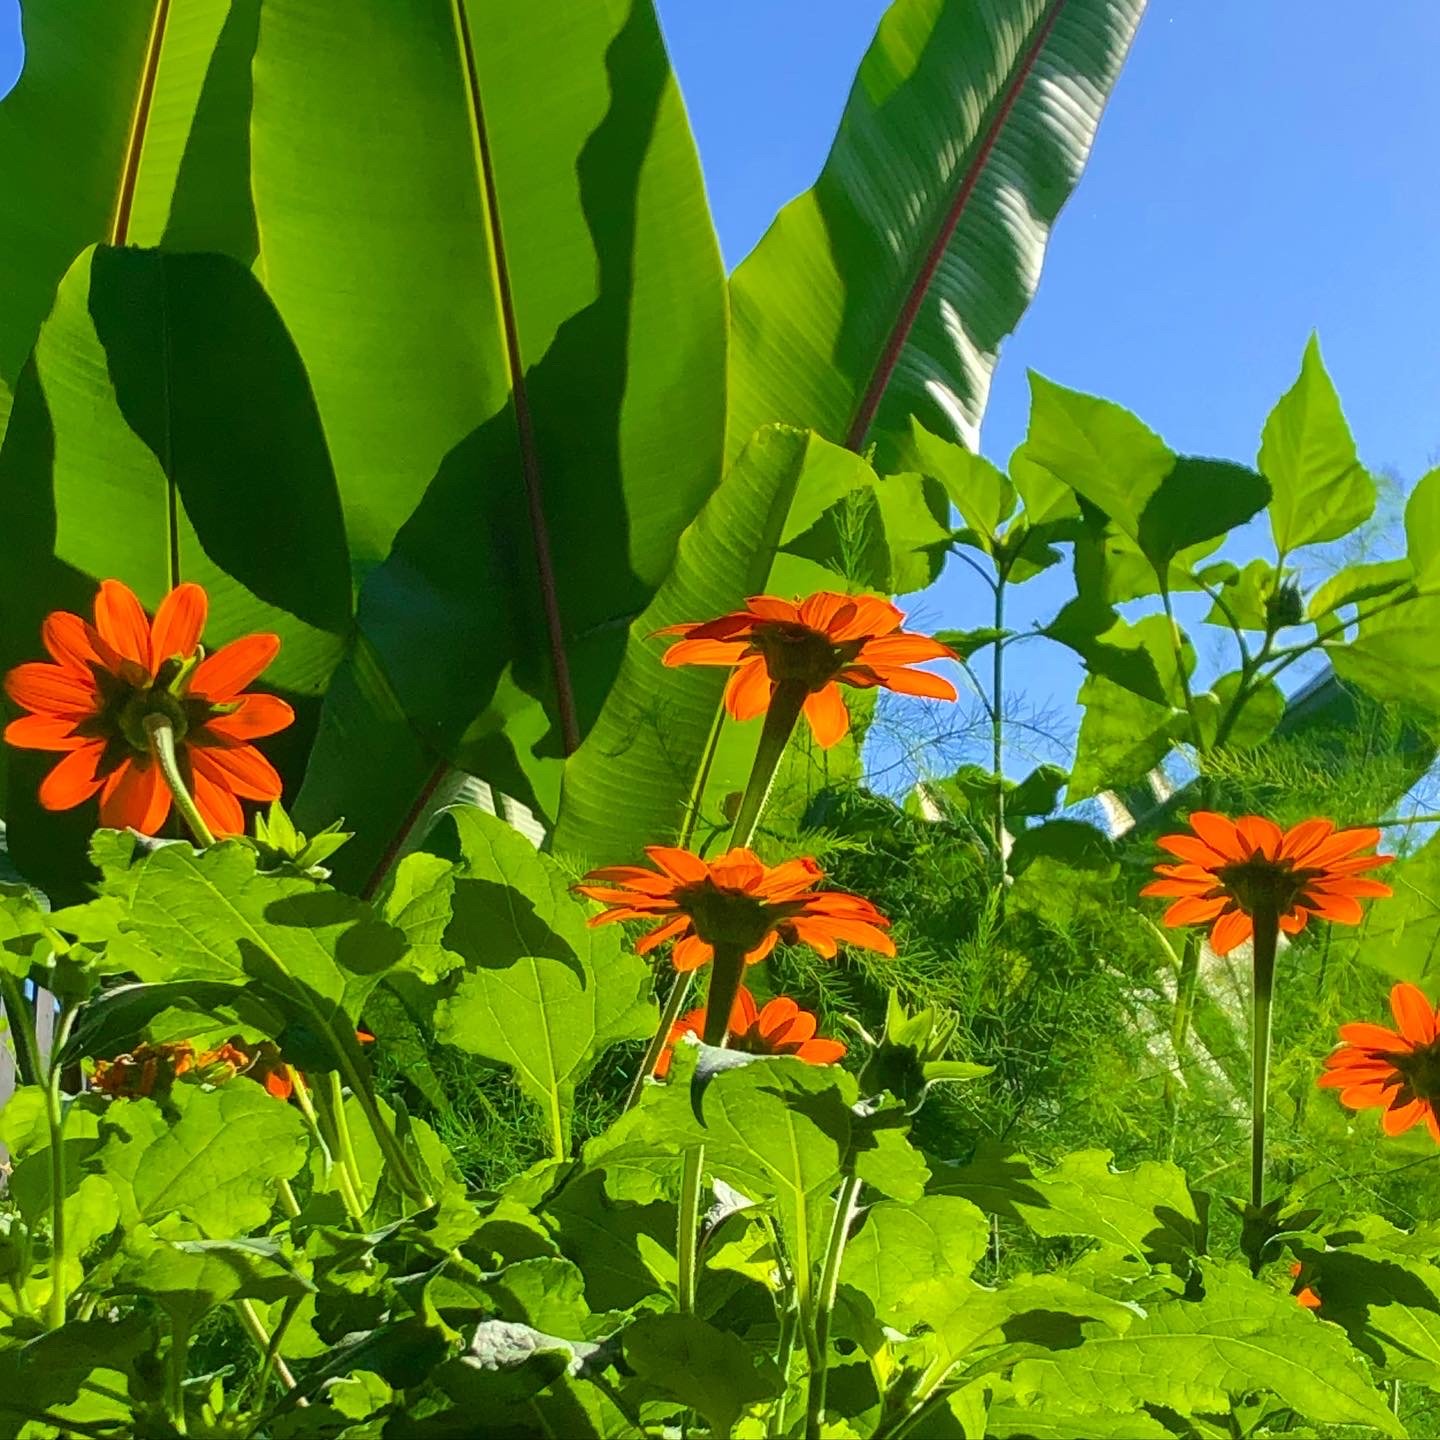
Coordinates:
[400,328]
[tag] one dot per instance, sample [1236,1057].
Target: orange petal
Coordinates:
[1399,1118]
[279,1083]
[1230,930]
[44,732]
[915,682]
[178,624]
[1301,839]
[771,607]
[705,652]
[1219,834]
[217,804]
[74,780]
[1414,1014]
[1365,1036]
[257,716]
[902,649]
[828,717]
[51,690]
[1261,836]
[744,1015]
[747,693]
[1359,1095]
[827,611]
[653,939]
[222,676]
[122,622]
[1193,849]
[763,949]
[1194,910]
[691,953]
[1341,844]
[1195,889]
[1342,909]
[76,644]
[138,800]
[678,863]
[242,769]
[873,617]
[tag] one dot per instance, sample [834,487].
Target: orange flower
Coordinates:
[107,677]
[781,1028]
[1399,1071]
[823,642]
[1231,866]
[1304,1295]
[144,1071]
[736,900]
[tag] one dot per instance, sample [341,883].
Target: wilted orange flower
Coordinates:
[1304,1295]
[781,1028]
[1399,1071]
[1231,866]
[824,641]
[152,1069]
[107,677]
[735,900]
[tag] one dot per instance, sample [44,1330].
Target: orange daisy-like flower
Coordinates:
[92,702]
[822,642]
[1229,867]
[736,900]
[781,1028]
[1396,1070]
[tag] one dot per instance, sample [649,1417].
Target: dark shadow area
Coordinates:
[493,926]
[367,947]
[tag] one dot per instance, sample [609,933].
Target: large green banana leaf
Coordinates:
[163,430]
[589,393]
[881,293]
[885,290]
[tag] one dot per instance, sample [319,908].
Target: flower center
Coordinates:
[1420,1069]
[130,698]
[796,652]
[726,917]
[1258,883]
[139,705]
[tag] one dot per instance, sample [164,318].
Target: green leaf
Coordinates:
[1320,491]
[1148,1211]
[705,1368]
[1251,724]
[1199,1356]
[554,414]
[1359,582]
[1072,843]
[884,292]
[189,1276]
[303,948]
[217,1165]
[979,490]
[120,418]
[1245,593]
[542,991]
[1198,500]
[1141,657]
[644,767]
[1122,738]
[1401,938]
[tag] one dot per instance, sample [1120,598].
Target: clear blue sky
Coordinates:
[1266,167]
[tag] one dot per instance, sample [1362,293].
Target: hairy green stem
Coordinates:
[786,703]
[329,1146]
[22,1030]
[162,747]
[269,1346]
[55,1121]
[332,1102]
[1267,931]
[825,1304]
[288,1203]
[674,1004]
[997,727]
[177,1364]
[1185,987]
[687,1234]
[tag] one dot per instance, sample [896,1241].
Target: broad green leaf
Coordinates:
[644,767]
[708,1369]
[1359,582]
[1320,490]
[542,991]
[1017,1422]
[189,1275]
[1097,449]
[127,456]
[1198,1356]
[1393,655]
[979,490]
[1143,658]
[47,1372]
[603,1238]
[545,303]
[885,291]
[309,951]
[1242,726]
[217,1165]
[1244,591]
[1122,738]
[1198,501]
[901,1248]
[1073,843]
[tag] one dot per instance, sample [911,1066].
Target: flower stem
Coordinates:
[674,1004]
[55,1120]
[162,747]
[825,1303]
[22,1030]
[687,1233]
[1267,931]
[332,1100]
[785,706]
[269,1346]
[997,727]
[328,1147]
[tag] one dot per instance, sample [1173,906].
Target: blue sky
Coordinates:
[1265,168]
